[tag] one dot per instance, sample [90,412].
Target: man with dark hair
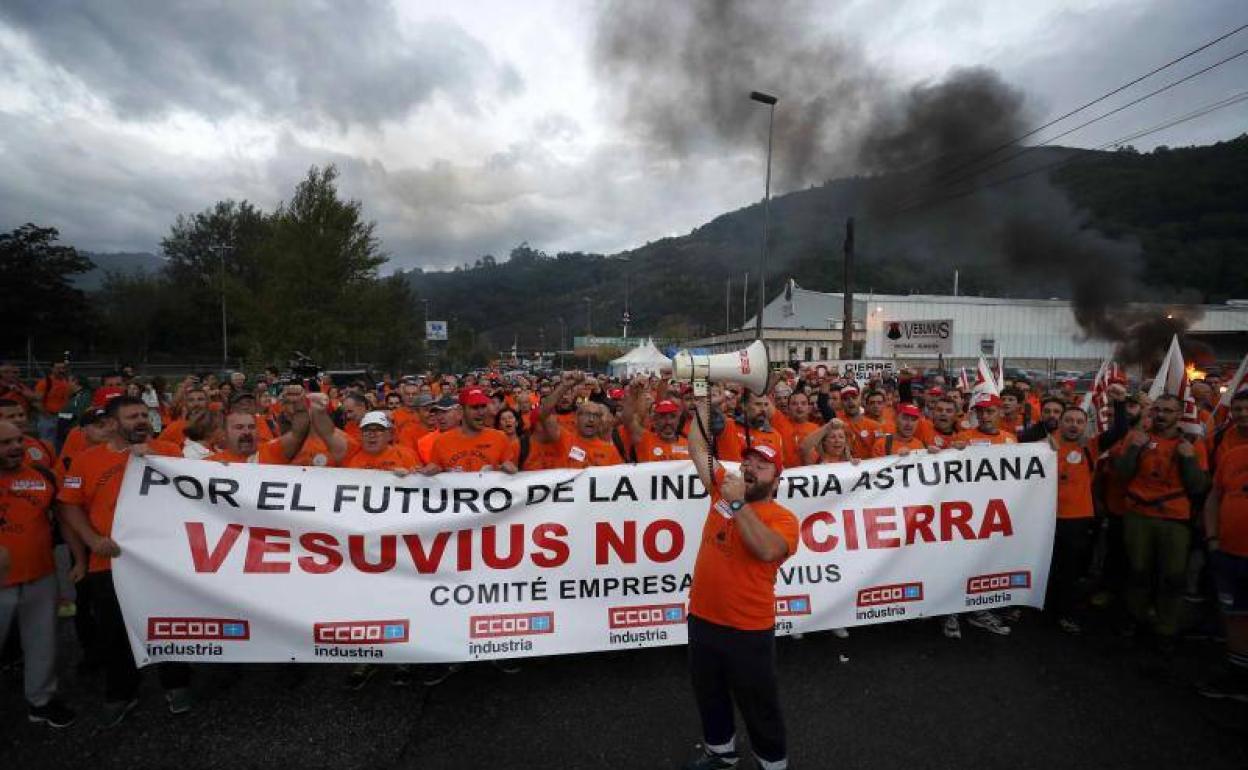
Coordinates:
[752,428]
[1234,433]
[945,433]
[354,407]
[88,500]
[747,535]
[1161,468]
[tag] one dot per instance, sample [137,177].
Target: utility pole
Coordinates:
[728,306]
[220,249]
[745,293]
[770,101]
[847,330]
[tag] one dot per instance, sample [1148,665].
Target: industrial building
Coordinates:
[804,325]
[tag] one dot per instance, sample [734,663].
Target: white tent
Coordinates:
[643,359]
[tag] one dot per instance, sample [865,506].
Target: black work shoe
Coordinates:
[403,675]
[1229,685]
[437,674]
[709,760]
[53,714]
[115,712]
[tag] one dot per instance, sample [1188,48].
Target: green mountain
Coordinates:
[1176,219]
[120,262]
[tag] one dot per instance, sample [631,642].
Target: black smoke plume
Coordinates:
[684,71]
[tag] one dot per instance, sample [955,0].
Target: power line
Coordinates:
[1101,117]
[1080,154]
[1095,101]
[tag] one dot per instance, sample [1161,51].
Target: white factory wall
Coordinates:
[1016,328]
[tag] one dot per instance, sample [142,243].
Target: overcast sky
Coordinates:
[466,128]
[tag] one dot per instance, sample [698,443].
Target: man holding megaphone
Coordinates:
[746,537]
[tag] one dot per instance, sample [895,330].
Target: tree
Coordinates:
[38,301]
[317,265]
[218,249]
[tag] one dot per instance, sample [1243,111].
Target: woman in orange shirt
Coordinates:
[828,444]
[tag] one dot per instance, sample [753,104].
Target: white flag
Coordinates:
[1171,379]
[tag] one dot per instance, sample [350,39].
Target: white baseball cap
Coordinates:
[376,418]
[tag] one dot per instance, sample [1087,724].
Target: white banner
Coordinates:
[272,563]
[862,370]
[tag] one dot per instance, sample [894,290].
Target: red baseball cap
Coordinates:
[666,406]
[102,396]
[615,394]
[848,389]
[909,409]
[473,397]
[767,453]
[935,390]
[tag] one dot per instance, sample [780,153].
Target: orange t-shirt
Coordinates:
[55,396]
[265,430]
[943,440]
[862,432]
[1074,478]
[315,452]
[267,453]
[976,437]
[793,442]
[1156,489]
[733,441]
[175,432]
[93,482]
[75,442]
[37,452]
[457,451]
[571,451]
[26,494]
[1231,439]
[424,447]
[392,458]
[410,433]
[1231,481]
[881,448]
[652,449]
[731,587]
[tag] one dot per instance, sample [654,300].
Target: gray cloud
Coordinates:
[685,71]
[342,62]
[676,75]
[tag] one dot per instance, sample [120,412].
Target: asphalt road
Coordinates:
[906,697]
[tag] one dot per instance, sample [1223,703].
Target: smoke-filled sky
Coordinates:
[466,128]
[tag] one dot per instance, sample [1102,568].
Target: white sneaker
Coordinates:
[840,633]
[989,622]
[951,627]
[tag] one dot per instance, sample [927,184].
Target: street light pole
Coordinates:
[770,101]
[220,249]
[589,317]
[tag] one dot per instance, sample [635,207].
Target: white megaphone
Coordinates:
[748,366]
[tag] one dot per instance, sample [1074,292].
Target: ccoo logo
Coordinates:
[890,594]
[361,632]
[515,624]
[787,606]
[998,581]
[215,629]
[646,615]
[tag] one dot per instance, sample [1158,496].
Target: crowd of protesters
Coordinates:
[1149,518]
